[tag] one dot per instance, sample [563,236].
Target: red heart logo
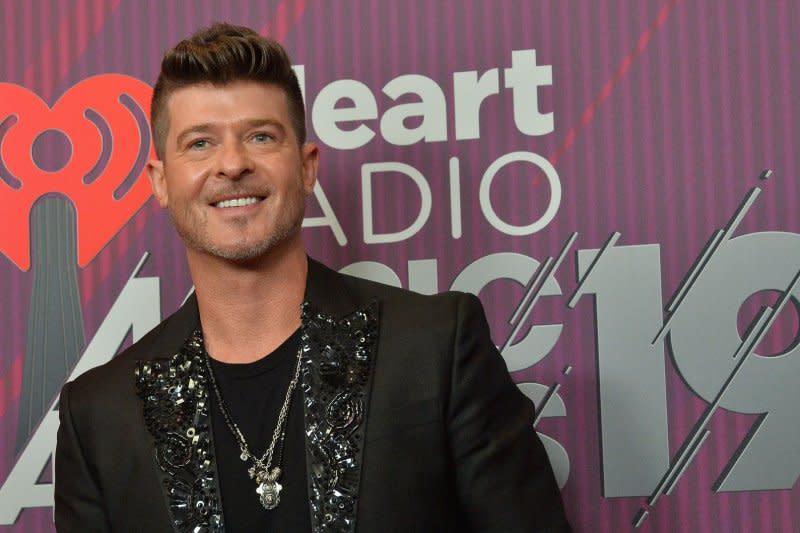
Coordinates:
[104,204]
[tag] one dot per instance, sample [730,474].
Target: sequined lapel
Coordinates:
[338,357]
[176,412]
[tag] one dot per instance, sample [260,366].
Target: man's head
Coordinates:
[219,55]
[228,123]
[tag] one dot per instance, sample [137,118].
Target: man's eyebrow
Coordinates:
[197,128]
[259,122]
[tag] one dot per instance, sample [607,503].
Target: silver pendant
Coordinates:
[269,490]
[269,493]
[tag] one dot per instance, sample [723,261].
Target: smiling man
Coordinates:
[284,396]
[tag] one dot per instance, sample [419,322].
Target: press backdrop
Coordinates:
[617,181]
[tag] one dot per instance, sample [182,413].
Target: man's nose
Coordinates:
[234,161]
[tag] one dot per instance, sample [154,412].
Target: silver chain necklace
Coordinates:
[266,476]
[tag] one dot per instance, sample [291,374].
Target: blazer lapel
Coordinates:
[174,396]
[339,347]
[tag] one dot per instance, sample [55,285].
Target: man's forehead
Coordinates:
[206,102]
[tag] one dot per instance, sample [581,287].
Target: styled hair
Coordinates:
[221,54]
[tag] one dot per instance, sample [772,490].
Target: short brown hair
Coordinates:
[221,54]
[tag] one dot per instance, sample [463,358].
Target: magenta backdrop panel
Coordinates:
[617,181]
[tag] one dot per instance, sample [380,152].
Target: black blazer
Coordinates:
[408,388]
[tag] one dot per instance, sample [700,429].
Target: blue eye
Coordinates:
[198,144]
[262,137]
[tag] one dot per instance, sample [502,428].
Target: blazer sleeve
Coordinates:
[503,476]
[78,499]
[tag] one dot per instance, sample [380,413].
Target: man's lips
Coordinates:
[240,201]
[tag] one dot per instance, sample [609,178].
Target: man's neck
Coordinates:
[248,310]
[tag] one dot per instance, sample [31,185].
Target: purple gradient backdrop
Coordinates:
[665,114]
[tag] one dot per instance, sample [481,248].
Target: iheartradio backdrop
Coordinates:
[617,180]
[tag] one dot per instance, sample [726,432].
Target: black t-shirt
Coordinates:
[253,394]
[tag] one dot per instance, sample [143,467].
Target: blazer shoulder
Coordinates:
[437,319]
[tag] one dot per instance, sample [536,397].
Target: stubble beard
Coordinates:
[195,235]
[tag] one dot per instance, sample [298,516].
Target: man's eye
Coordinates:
[262,137]
[198,144]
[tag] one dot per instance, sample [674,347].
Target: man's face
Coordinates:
[233,177]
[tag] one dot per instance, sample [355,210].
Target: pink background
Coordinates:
[666,113]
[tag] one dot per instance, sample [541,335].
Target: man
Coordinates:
[284,396]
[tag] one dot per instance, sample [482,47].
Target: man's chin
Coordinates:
[249,252]
[242,248]
[245,253]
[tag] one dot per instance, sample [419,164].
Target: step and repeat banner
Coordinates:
[617,181]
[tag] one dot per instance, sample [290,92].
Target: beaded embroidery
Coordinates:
[176,413]
[337,364]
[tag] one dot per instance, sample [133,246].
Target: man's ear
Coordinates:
[158,182]
[310,156]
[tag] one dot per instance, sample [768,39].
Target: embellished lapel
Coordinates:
[174,394]
[337,363]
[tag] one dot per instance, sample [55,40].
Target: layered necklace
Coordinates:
[262,469]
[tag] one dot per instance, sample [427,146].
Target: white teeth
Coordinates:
[237,202]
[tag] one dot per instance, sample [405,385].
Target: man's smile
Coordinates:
[238,202]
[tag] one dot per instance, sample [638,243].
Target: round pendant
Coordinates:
[269,494]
